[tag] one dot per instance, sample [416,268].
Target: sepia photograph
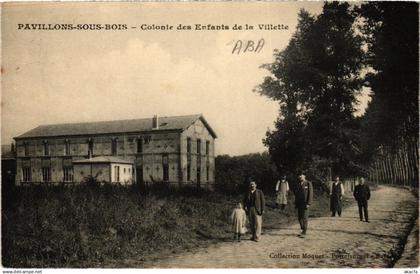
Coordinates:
[202,135]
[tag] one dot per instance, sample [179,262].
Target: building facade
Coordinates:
[177,150]
[105,169]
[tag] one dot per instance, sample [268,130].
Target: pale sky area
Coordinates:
[82,76]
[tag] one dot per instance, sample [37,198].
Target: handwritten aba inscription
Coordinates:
[244,46]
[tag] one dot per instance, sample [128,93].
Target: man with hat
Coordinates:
[303,200]
[254,203]
[362,195]
[336,197]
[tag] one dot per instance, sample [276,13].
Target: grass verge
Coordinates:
[92,226]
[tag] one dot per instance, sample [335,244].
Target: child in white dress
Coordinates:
[238,222]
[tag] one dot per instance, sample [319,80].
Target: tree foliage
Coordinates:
[390,30]
[316,80]
[233,174]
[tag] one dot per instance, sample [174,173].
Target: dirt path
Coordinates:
[354,243]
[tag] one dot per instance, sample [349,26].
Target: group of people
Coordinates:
[253,204]
[361,193]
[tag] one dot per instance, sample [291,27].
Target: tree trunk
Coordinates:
[385,171]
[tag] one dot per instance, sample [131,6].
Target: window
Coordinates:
[68,174]
[26,174]
[116,173]
[189,171]
[124,170]
[165,164]
[198,170]
[46,148]
[67,147]
[26,148]
[139,174]
[199,146]
[139,145]
[46,174]
[207,147]
[114,148]
[207,172]
[90,148]
[198,175]
[147,139]
[188,145]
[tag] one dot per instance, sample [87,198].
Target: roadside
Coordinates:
[331,242]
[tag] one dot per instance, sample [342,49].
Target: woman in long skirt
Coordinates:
[282,189]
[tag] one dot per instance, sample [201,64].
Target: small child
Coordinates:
[238,222]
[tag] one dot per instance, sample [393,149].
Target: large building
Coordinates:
[177,150]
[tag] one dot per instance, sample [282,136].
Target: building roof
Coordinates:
[134,125]
[102,159]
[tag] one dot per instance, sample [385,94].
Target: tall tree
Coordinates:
[391,32]
[316,79]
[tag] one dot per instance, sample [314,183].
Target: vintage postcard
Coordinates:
[209,135]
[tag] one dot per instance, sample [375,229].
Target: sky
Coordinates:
[63,76]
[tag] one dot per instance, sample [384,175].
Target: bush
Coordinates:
[79,225]
[233,174]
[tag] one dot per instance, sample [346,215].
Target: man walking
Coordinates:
[255,205]
[336,196]
[303,200]
[362,195]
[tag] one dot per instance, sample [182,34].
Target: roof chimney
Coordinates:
[155,122]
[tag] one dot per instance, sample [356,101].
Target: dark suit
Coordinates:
[255,206]
[303,198]
[336,195]
[256,200]
[362,195]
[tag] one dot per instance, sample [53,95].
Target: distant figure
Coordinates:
[282,189]
[336,196]
[255,205]
[362,195]
[303,200]
[238,218]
